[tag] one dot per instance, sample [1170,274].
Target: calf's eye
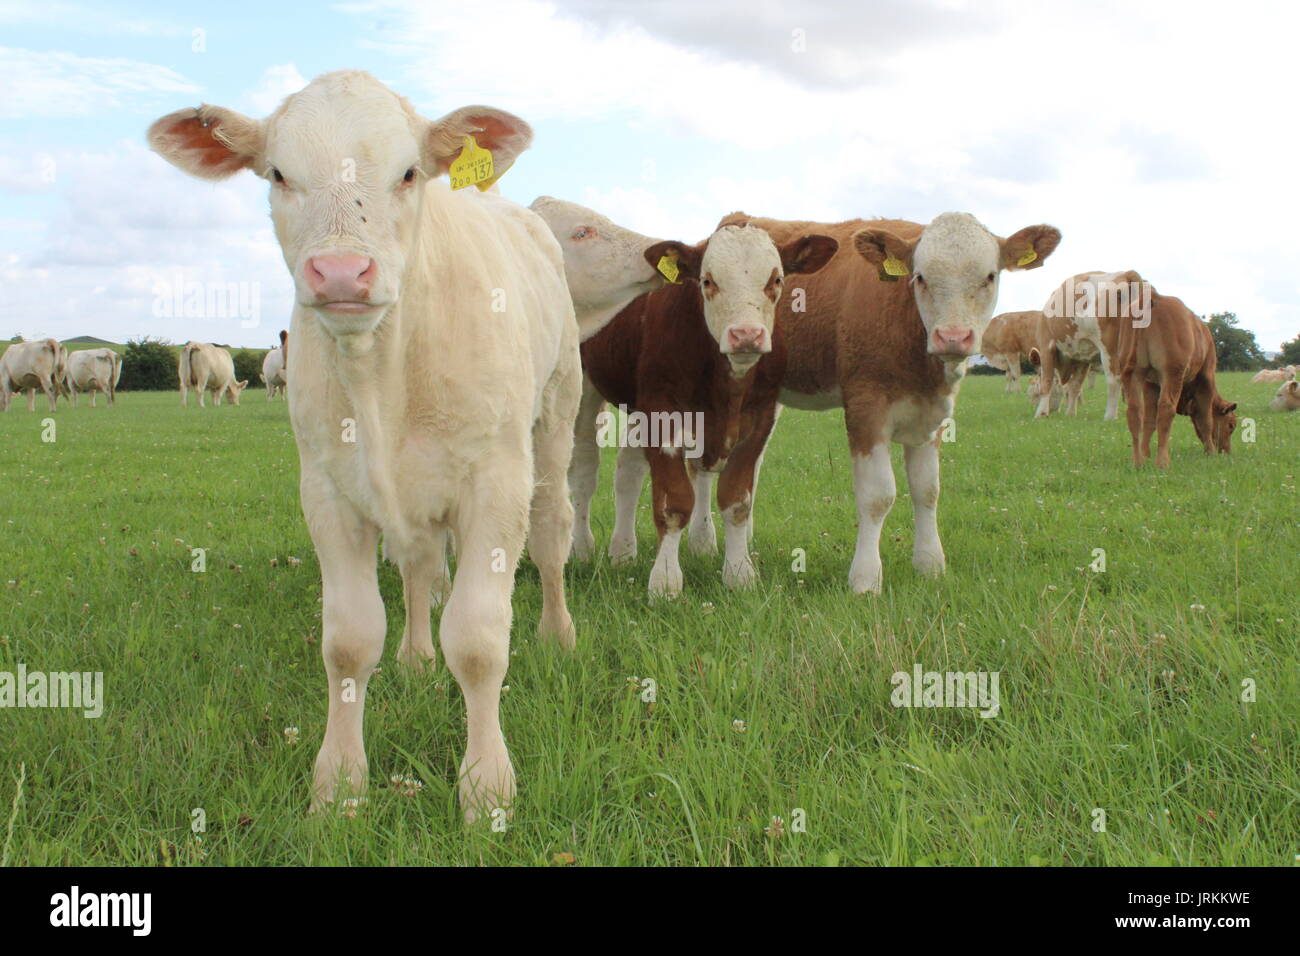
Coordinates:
[277,176]
[991,277]
[410,175]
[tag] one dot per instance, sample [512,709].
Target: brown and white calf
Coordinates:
[1167,363]
[435,383]
[1284,374]
[1079,329]
[694,361]
[208,368]
[893,353]
[275,367]
[31,365]
[93,370]
[1008,340]
[1287,398]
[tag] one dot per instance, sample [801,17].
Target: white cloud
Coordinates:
[126,223]
[276,83]
[54,84]
[1150,134]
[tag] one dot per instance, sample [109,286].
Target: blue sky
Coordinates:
[1154,135]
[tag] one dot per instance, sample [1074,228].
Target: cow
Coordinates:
[275,367]
[208,368]
[1007,342]
[692,360]
[436,380]
[1287,398]
[604,263]
[93,370]
[31,365]
[893,353]
[1167,363]
[1284,374]
[1057,394]
[606,268]
[1080,329]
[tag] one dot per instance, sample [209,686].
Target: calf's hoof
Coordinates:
[622,551]
[740,577]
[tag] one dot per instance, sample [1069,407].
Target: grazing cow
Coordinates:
[31,365]
[1167,365]
[1007,342]
[1080,329]
[93,370]
[893,354]
[436,380]
[1284,374]
[208,368]
[692,359]
[1287,398]
[275,367]
[1057,394]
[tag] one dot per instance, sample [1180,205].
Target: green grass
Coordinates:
[1118,690]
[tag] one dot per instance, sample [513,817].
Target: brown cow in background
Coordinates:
[1167,365]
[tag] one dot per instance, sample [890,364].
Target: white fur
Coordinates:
[604,263]
[32,365]
[93,370]
[463,414]
[273,373]
[208,368]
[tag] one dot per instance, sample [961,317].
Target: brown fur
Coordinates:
[657,356]
[1168,368]
[859,334]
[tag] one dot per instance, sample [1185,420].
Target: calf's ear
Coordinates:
[210,142]
[807,254]
[685,258]
[891,255]
[1029,247]
[1035,358]
[502,134]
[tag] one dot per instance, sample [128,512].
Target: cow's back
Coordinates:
[854,324]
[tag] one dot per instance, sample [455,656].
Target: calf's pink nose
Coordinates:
[337,278]
[746,338]
[959,340]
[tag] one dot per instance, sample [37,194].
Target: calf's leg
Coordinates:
[584,469]
[922,463]
[353,632]
[703,535]
[672,499]
[475,635]
[551,524]
[629,476]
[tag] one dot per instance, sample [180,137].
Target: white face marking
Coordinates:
[735,271]
[337,154]
[955,271]
[604,263]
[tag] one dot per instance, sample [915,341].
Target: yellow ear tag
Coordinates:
[892,269]
[668,267]
[1027,258]
[473,167]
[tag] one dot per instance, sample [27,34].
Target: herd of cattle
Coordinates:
[454,354]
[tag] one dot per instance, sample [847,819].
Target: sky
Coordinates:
[1156,136]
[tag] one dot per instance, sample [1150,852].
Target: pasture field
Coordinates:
[1121,690]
